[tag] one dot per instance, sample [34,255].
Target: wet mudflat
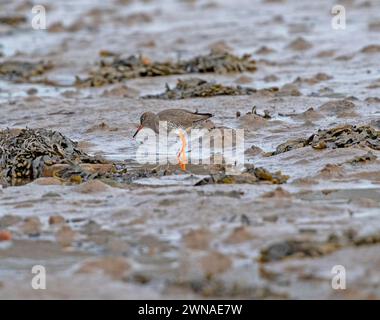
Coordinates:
[105,226]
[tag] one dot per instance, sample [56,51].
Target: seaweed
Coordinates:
[296,249]
[24,153]
[13,20]
[252,175]
[195,87]
[22,71]
[119,69]
[339,137]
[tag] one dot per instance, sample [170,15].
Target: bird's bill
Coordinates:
[137,131]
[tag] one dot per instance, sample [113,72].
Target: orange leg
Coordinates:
[182,160]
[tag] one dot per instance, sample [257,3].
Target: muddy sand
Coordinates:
[165,235]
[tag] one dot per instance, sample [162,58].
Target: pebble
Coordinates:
[215,262]
[115,267]
[239,235]
[92,186]
[32,226]
[197,239]
[5,235]
[65,236]
[56,219]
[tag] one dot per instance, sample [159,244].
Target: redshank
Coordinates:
[175,118]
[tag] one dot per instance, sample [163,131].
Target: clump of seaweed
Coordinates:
[13,20]
[24,153]
[369,156]
[22,71]
[252,175]
[296,249]
[338,137]
[195,87]
[119,69]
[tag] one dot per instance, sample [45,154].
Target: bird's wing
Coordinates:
[181,116]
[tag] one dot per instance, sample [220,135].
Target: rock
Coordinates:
[271,78]
[277,193]
[101,126]
[220,47]
[32,91]
[244,80]
[253,151]
[28,154]
[253,121]
[65,236]
[121,91]
[264,50]
[48,181]
[198,239]
[9,220]
[56,27]
[5,235]
[374,48]
[338,107]
[32,226]
[56,220]
[119,70]
[138,18]
[326,54]
[332,171]
[97,167]
[300,44]
[215,263]
[374,26]
[92,186]
[289,89]
[297,249]
[115,267]
[50,171]
[239,235]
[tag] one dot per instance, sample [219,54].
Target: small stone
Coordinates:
[65,236]
[48,181]
[197,239]
[220,47]
[5,235]
[300,44]
[214,263]
[32,91]
[374,48]
[264,50]
[98,167]
[50,171]
[9,220]
[239,235]
[244,80]
[56,220]
[115,267]
[277,193]
[32,226]
[92,186]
